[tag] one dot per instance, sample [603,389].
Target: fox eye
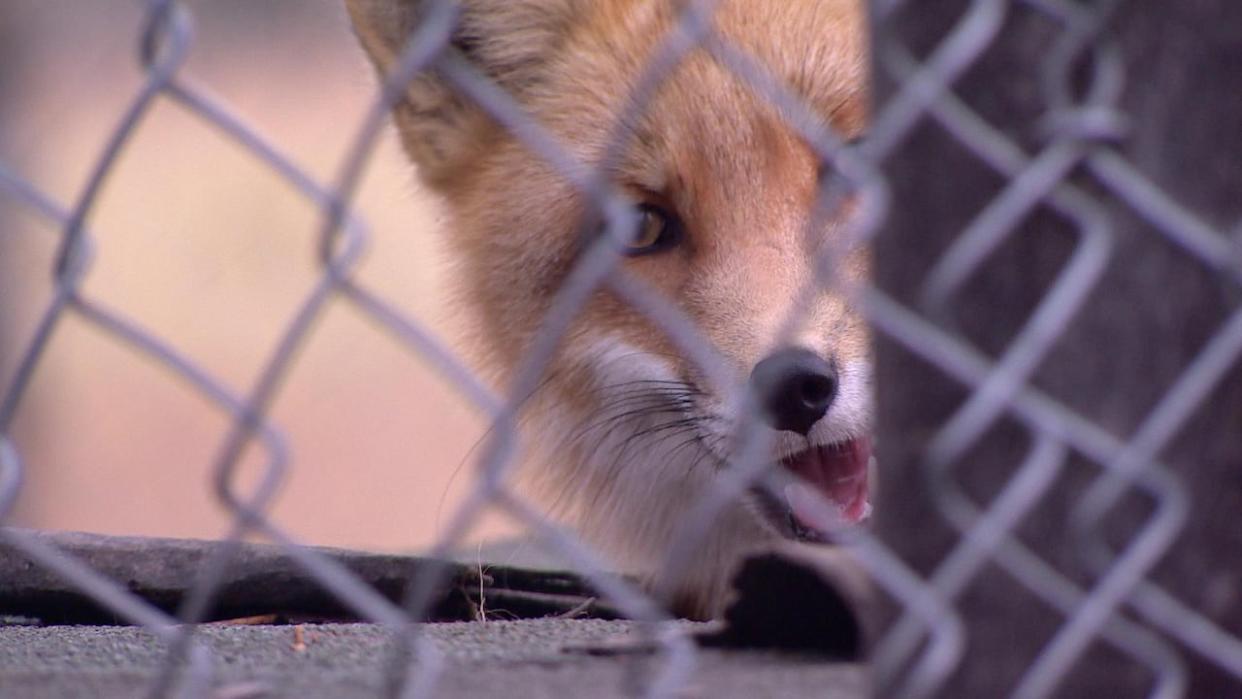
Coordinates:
[657,231]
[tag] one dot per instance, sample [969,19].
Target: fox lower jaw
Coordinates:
[632,503]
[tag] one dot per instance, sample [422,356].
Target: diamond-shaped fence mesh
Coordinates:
[1055,304]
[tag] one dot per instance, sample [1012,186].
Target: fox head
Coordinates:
[629,433]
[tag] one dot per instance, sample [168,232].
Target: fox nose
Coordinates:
[795,388]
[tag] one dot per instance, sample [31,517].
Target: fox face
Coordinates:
[628,433]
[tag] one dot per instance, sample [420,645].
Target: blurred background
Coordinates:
[201,243]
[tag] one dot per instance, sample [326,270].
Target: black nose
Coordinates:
[795,388]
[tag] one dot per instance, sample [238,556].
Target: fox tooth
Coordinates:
[813,509]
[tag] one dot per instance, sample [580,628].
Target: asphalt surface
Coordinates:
[263,579]
[512,659]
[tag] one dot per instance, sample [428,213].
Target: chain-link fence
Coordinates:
[995,124]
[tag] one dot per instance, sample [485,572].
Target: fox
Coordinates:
[625,433]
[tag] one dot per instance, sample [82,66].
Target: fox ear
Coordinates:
[509,40]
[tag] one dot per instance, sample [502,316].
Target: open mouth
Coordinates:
[831,490]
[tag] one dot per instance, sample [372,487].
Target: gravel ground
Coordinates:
[536,658]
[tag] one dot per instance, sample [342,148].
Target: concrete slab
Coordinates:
[530,658]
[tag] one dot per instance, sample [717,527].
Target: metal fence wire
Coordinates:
[1121,605]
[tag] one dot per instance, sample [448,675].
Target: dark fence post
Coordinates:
[1168,305]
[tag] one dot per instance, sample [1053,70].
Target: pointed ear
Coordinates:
[509,40]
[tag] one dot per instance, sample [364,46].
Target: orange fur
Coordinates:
[705,146]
